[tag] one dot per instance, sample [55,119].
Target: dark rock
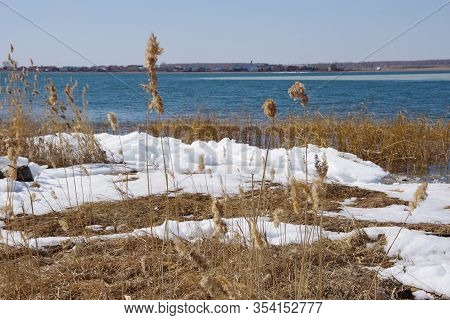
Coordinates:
[402,293]
[24,174]
[2,176]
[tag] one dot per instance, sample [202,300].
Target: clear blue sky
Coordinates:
[290,31]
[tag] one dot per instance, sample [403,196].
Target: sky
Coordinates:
[282,31]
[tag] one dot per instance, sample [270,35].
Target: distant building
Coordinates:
[332,67]
[292,68]
[252,68]
[133,68]
[50,69]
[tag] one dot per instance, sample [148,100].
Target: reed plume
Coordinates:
[190,254]
[157,103]
[321,166]
[212,286]
[297,92]
[230,289]
[419,196]
[112,119]
[151,58]
[220,228]
[297,189]
[68,91]
[270,108]
[276,217]
[257,238]
[52,96]
[201,163]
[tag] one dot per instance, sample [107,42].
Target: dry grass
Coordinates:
[131,214]
[23,128]
[399,145]
[147,268]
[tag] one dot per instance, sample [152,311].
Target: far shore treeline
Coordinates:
[434,65]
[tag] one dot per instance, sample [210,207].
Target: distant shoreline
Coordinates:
[440,68]
[389,69]
[251,67]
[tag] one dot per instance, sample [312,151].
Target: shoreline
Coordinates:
[386,70]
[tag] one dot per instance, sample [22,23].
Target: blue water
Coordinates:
[236,95]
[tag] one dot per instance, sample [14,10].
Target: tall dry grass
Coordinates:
[149,268]
[205,270]
[30,115]
[400,144]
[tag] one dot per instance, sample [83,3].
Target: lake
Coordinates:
[231,95]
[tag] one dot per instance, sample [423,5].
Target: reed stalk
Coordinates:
[297,92]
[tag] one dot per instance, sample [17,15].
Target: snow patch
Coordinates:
[422,260]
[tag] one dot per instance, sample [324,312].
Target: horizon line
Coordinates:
[254,63]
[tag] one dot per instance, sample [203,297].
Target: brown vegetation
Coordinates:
[148,268]
[130,214]
[399,145]
[71,137]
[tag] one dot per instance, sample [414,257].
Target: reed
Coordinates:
[419,196]
[276,217]
[114,123]
[153,51]
[220,228]
[112,119]
[38,126]
[297,92]
[270,110]
[399,144]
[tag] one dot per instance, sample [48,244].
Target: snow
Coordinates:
[420,259]
[422,295]
[349,201]
[432,210]
[238,228]
[94,227]
[228,166]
